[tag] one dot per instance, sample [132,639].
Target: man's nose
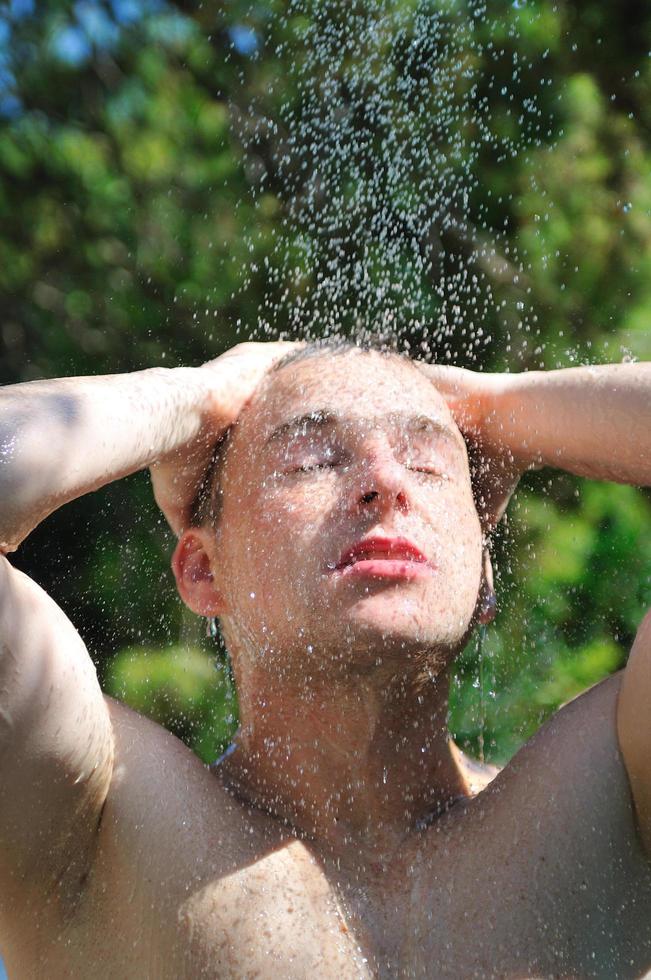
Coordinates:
[381,484]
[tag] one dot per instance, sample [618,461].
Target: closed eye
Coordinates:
[310,467]
[429,471]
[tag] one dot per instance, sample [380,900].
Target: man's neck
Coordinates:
[349,765]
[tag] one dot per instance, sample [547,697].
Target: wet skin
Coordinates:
[316,440]
[324,844]
[539,875]
[363,565]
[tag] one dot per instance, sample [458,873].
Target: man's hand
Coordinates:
[228,382]
[590,421]
[474,400]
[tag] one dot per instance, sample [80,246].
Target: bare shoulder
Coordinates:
[156,775]
[165,802]
[571,772]
[578,742]
[584,730]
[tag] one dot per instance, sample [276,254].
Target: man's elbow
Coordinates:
[24,477]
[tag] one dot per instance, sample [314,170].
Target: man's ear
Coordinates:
[486,608]
[192,567]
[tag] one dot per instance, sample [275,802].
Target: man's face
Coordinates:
[348,530]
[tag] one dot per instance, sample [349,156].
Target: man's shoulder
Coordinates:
[163,795]
[572,766]
[560,811]
[145,752]
[585,726]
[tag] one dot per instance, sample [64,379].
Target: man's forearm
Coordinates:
[60,439]
[592,421]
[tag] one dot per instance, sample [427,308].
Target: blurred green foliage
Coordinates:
[136,229]
[184,688]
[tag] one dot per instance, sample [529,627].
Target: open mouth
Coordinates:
[384,557]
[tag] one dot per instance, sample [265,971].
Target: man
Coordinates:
[338,541]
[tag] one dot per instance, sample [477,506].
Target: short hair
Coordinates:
[206,506]
[207,503]
[336,346]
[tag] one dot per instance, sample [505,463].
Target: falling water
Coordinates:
[376,158]
[386,229]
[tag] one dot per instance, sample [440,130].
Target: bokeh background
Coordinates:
[174,178]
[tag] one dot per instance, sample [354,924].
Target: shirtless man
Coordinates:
[339,543]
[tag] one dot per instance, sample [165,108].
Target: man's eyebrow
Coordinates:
[322,418]
[317,419]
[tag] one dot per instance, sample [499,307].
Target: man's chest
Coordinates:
[540,875]
[462,904]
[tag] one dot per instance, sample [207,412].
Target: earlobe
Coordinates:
[486,608]
[195,580]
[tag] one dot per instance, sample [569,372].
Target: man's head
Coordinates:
[342,532]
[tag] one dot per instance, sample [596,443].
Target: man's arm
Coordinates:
[60,439]
[634,727]
[595,422]
[55,743]
[591,421]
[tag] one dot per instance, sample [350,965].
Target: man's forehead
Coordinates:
[354,387]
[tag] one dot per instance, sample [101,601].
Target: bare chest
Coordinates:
[540,875]
[460,903]
[277,914]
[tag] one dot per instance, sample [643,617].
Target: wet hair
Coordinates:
[207,503]
[335,347]
[206,506]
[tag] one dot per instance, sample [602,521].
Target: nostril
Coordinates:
[366,498]
[402,500]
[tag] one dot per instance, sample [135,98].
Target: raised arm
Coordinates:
[60,439]
[596,422]
[592,421]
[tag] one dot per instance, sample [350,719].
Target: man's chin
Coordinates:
[400,636]
[385,658]
[408,614]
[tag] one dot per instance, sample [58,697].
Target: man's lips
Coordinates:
[378,555]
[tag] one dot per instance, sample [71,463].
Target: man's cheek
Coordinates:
[459,563]
[278,563]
